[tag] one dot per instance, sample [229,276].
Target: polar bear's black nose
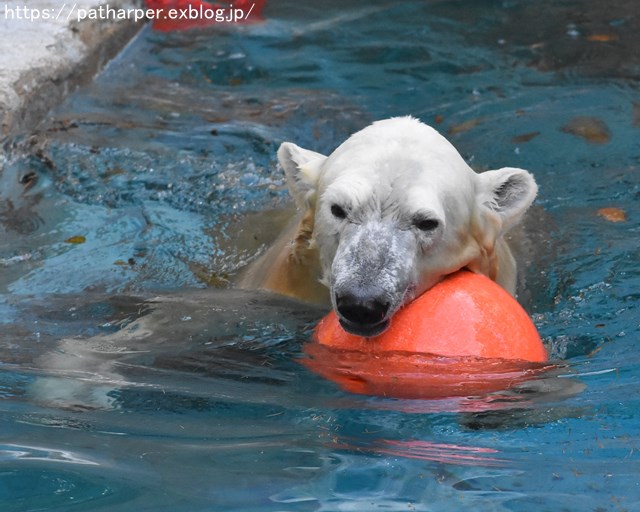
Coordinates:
[362,311]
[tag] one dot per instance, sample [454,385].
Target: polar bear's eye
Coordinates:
[338,212]
[424,224]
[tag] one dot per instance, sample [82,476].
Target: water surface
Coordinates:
[132,377]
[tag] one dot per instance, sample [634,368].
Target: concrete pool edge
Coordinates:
[43,60]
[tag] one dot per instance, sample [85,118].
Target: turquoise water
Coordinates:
[133,378]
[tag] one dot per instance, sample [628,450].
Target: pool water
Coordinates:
[133,377]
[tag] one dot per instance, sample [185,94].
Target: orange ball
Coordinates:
[467,314]
[464,336]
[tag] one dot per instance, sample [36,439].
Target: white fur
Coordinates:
[386,178]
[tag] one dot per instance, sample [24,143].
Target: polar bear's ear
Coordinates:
[302,169]
[507,192]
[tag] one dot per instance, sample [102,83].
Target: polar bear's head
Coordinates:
[395,209]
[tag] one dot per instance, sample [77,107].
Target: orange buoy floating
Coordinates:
[466,336]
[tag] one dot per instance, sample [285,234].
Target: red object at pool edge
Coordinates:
[465,336]
[170,15]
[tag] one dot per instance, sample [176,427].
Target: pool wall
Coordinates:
[45,53]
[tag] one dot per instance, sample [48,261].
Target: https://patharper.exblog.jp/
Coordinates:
[73,12]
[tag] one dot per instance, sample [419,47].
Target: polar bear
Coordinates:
[386,216]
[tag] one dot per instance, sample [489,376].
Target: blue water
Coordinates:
[133,378]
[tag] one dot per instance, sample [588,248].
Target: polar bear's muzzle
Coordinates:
[362,315]
[372,270]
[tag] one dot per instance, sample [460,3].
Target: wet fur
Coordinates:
[291,265]
[316,255]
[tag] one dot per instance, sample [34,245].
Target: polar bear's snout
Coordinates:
[362,313]
[372,271]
